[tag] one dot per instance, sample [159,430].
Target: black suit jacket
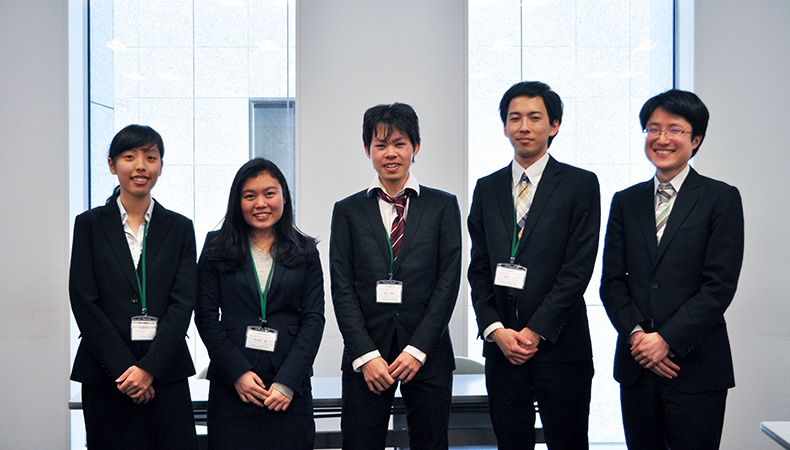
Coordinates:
[680,288]
[105,296]
[295,308]
[558,248]
[429,265]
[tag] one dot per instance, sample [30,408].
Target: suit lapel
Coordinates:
[646,211]
[113,231]
[369,205]
[548,183]
[503,182]
[417,207]
[686,199]
[161,221]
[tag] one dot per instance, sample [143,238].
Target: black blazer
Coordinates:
[429,265]
[680,288]
[558,248]
[105,296]
[295,308]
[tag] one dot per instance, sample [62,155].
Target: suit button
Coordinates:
[135,299]
[396,314]
[510,296]
[654,285]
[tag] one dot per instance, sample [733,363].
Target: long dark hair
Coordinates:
[231,245]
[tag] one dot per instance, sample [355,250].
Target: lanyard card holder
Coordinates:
[510,275]
[144,328]
[389,291]
[261,338]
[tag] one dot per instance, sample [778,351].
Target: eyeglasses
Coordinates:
[671,133]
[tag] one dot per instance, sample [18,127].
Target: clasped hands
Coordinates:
[251,389]
[136,383]
[652,352]
[379,376]
[517,346]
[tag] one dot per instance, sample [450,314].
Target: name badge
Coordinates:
[389,291]
[144,328]
[261,338]
[510,275]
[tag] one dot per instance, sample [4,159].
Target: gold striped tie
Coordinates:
[522,203]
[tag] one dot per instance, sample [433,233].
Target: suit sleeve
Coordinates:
[301,355]
[578,262]
[228,359]
[720,272]
[620,307]
[348,312]
[479,272]
[96,329]
[445,291]
[181,297]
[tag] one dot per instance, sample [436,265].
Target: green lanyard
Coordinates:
[265,292]
[392,257]
[514,247]
[141,286]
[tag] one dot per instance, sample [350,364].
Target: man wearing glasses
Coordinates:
[671,261]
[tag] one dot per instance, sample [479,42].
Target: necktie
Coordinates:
[665,192]
[396,231]
[522,203]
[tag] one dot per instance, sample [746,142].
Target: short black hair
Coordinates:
[533,89]
[135,136]
[679,103]
[399,116]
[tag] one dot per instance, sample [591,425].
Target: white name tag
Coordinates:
[259,338]
[510,275]
[144,328]
[389,291]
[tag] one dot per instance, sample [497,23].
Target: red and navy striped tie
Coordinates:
[396,231]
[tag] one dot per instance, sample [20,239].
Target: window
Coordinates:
[195,71]
[273,135]
[604,60]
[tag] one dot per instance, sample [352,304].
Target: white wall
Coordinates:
[34,249]
[355,54]
[741,74]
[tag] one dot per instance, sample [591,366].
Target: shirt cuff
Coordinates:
[490,329]
[362,360]
[285,390]
[418,354]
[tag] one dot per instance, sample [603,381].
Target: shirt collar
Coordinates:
[411,183]
[676,182]
[125,216]
[534,172]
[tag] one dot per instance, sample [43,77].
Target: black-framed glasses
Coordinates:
[671,133]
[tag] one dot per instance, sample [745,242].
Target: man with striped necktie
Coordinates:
[671,261]
[534,226]
[395,255]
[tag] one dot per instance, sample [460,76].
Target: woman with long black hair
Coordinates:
[260,312]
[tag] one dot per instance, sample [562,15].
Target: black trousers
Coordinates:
[365,416]
[114,422]
[656,416]
[562,391]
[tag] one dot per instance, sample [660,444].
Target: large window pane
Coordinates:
[189,69]
[604,59]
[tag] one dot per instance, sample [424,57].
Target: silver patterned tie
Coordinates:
[665,193]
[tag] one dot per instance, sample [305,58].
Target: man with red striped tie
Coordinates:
[395,254]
